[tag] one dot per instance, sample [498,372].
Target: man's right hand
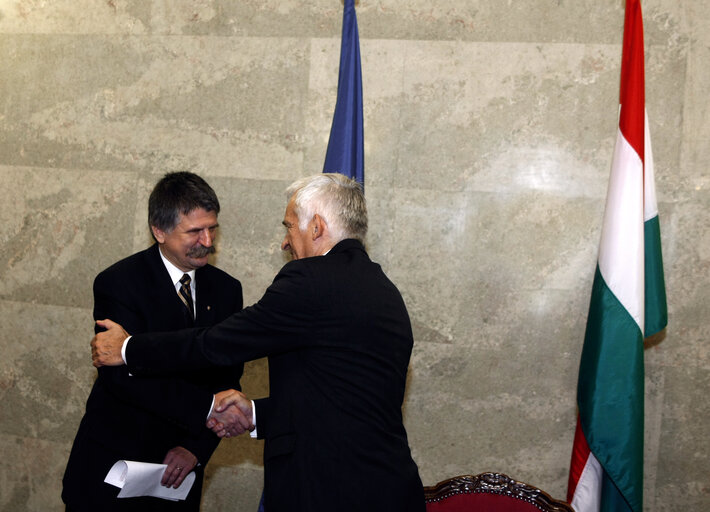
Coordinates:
[232,414]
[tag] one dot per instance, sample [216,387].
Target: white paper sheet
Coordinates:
[143,479]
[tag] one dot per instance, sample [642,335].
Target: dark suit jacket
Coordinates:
[142,418]
[338,338]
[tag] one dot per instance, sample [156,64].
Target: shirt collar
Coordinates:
[176,273]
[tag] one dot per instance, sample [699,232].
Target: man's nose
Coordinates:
[285,246]
[206,238]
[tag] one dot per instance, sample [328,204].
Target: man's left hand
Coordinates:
[106,346]
[180,462]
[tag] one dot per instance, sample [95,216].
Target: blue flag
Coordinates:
[346,152]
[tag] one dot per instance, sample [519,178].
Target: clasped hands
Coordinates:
[231,415]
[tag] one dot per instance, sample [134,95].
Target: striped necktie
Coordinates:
[185,294]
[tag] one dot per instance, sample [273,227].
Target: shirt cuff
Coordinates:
[123,350]
[211,408]
[253,434]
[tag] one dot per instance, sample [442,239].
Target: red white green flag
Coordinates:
[628,302]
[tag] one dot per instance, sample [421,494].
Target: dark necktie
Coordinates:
[185,295]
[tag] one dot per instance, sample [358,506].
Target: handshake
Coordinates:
[231,415]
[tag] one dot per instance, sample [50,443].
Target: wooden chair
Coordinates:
[489,492]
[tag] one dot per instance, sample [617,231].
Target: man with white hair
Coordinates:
[338,338]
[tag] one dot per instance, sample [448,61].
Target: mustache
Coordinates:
[200,251]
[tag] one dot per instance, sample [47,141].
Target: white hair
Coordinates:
[339,200]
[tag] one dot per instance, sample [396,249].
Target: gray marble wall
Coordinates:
[489,129]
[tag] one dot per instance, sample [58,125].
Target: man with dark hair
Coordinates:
[338,338]
[157,419]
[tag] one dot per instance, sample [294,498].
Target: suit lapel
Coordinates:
[205,310]
[164,288]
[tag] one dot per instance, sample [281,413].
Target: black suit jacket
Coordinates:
[142,418]
[338,338]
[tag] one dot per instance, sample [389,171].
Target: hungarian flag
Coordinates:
[346,153]
[628,303]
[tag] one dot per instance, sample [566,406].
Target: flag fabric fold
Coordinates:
[627,303]
[346,153]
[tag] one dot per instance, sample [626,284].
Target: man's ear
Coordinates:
[318,227]
[159,234]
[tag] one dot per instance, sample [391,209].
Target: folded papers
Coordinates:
[143,479]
